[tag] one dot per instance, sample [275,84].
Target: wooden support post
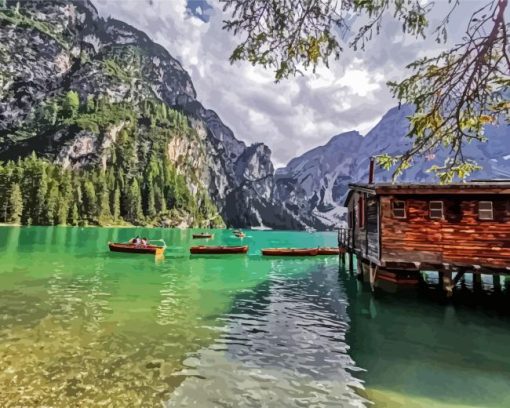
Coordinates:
[373,275]
[477,281]
[440,280]
[360,269]
[448,283]
[459,276]
[496,282]
[351,263]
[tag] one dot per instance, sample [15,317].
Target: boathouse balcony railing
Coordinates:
[344,237]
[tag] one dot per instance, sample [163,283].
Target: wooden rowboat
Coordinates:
[203,235]
[239,234]
[218,249]
[136,249]
[406,279]
[289,252]
[329,251]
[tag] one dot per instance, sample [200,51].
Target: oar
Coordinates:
[159,240]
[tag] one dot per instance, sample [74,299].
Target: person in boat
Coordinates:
[144,242]
[136,240]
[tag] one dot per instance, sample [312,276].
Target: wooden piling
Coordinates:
[496,282]
[447,283]
[359,270]
[440,280]
[477,281]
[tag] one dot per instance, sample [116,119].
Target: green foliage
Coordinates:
[116,205]
[71,104]
[115,70]
[458,93]
[74,216]
[15,204]
[134,203]
[91,104]
[288,36]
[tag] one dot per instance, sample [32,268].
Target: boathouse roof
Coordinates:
[498,186]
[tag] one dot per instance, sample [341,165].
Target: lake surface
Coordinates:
[83,327]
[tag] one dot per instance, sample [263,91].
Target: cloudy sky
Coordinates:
[297,114]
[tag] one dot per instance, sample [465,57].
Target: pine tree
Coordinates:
[15,204]
[62,211]
[151,200]
[71,104]
[134,201]
[74,216]
[89,201]
[159,198]
[51,208]
[116,205]
[91,106]
[40,185]
[105,214]
[4,193]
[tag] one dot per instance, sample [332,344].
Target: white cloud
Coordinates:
[299,113]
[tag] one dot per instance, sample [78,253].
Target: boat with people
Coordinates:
[138,245]
[136,249]
[240,234]
[204,235]
[290,251]
[213,250]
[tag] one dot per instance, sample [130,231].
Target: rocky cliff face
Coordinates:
[314,185]
[50,48]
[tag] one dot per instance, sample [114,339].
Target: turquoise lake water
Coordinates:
[80,326]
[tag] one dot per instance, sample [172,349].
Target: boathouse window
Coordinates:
[398,209]
[485,210]
[436,210]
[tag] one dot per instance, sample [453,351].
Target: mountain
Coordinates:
[96,95]
[314,185]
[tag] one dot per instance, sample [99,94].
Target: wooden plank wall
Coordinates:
[366,240]
[460,238]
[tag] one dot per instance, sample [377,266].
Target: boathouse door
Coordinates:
[372,229]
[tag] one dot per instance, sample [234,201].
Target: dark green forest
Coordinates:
[132,182]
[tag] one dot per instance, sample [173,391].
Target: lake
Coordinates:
[80,326]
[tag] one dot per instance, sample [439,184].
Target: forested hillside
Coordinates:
[136,182]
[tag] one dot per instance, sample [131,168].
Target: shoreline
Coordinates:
[163,228]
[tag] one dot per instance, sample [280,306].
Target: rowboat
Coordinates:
[203,235]
[218,249]
[406,279]
[239,234]
[329,251]
[289,251]
[136,249]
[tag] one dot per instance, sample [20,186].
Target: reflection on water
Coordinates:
[80,326]
[283,346]
[418,351]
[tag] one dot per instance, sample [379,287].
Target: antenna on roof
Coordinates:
[371,170]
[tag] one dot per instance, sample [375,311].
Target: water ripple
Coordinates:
[284,346]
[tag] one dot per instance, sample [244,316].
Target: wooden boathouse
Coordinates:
[398,230]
